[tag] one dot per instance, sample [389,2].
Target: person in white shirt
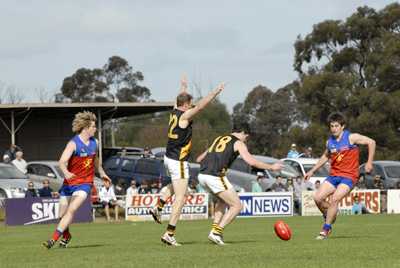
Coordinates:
[19,162]
[108,199]
[130,192]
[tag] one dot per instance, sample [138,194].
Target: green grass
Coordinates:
[357,241]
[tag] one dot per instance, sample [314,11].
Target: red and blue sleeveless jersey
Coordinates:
[344,157]
[81,162]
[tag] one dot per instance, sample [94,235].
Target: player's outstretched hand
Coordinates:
[69,175]
[184,83]
[368,167]
[277,166]
[308,175]
[220,87]
[105,177]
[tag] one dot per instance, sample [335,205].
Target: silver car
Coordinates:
[38,171]
[389,171]
[13,183]
[243,175]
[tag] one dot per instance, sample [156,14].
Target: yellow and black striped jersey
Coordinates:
[219,156]
[179,139]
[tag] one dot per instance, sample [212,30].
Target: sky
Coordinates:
[242,43]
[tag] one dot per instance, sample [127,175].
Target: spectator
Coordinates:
[46,191]
[398,185]
[361,183]
[133,190]
[145,187]
[256,185]
[317,184]
[147,153]
[154,187]
[192,188]
[278,185]
[357,208]
[108,199]
[120,193]
[31,191]
[19,162]
[123,151]
[293,153]
[289,185]
[308,153]
[377,179]
[9,155]
[381,185]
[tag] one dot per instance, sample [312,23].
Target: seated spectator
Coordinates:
[10,154]
[317,184]
[357,208]
[120,193]
[381,185]
[278,185]
[154,187]
[289,185]
[31,191]
[144,187]
[147,153]
[192,187]
[19,162]
[377,179]
[46,191]
[130,192]
[398,185]
[256,187]
[360,185]
[293,153]
[108,199]
[307,153]
[133,190]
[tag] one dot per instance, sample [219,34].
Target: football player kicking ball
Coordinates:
[176,157]
[343,153]
[213,165]
[77,162]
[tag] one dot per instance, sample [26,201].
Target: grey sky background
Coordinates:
[244,43]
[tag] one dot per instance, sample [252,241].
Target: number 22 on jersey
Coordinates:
[219,144]
[173,122]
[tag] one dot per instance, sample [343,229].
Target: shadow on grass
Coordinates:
[86,246]
[350,236]
[227,242]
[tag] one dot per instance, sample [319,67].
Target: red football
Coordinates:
[282,230]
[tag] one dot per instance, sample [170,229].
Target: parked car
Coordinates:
[128,167]
[38,171]
[115,151]
[389,171]
[243,175]
[13,183]
[303,165]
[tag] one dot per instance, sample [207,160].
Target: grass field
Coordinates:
[357,241]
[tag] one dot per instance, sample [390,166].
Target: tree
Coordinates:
[116,81]
[353,66]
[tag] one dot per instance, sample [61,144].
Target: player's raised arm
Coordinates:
[65,156]
[356,138]
[322,160]
[189,114]
[183,88]
[249,159]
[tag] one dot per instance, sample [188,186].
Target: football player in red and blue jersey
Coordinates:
[343,154]
[78,163]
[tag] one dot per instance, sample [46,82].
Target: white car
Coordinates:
[38,171]
[303,165]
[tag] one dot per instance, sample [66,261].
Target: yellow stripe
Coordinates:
[223,182]
[185,150]
[181,169]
